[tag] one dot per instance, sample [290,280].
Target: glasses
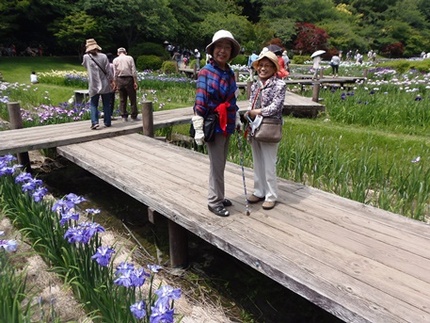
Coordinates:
[266,66]
[223,47]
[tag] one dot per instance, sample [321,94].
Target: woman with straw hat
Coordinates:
[216,93]
[266,100]
[100,82]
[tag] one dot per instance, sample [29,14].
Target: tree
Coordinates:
[130,21]
[72,30]
[310,38]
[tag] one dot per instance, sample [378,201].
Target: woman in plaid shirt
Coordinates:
[216,93]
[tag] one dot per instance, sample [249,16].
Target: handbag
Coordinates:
[270,130]
[209,127]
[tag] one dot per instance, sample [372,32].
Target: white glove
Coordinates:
[198,127]
[238,122]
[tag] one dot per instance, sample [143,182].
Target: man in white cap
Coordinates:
[100,82]
[216,94]
[126,83]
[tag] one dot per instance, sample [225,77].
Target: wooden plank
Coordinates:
[360,263]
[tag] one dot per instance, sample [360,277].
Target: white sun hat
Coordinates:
[224,35]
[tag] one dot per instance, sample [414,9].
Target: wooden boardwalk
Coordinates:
[357,262]
[360,263]
[51,136]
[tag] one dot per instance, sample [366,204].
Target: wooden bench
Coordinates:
[81,96]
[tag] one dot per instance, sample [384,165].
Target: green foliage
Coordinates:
[240,59]
[12,292]
[149,49]
[402,66]
[148,62]
[300,59]
[168,67]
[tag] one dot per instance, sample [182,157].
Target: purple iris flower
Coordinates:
[103,255]
[67,216]
[9,245]
[23,178]
[159,313]
[168,291]
[92,211]
[91,228]
[124,267]
[39,193]
[31,185]
[75,235]
[138,309]
[75,199]
[124,279]
[154,268]
[138,277]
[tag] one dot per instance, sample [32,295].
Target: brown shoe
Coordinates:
[255,199]
[267,205]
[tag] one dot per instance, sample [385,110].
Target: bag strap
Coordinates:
[104,72]
[255,98]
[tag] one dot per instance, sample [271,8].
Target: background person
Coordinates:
[126,83]
[216,93]
[100,82]
[33,78]
[334,63]
[267,99]
[112,94]
[316,67]
[197,56]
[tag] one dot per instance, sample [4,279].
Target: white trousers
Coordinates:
[264,155]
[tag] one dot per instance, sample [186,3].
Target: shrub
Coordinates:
[168,67]
[149,62]
[300,59]
[150,49]
[240,60]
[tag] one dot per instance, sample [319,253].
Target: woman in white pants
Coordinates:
[267,100]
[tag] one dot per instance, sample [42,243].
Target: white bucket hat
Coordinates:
[224,35]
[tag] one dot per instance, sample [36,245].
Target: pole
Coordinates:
[148,119]
[240,144]
[15,120]
[316,91]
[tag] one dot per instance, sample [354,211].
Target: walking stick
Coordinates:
[240,144]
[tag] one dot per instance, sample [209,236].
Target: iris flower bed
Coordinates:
[73,248]
[38,108]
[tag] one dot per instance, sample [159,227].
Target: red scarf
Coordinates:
[222,114]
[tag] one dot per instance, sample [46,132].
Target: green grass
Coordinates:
[18,70]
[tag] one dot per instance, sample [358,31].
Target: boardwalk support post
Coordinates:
[178,245]
[236,76]
[148,119]
[316,91]
[248,89]
[15,119]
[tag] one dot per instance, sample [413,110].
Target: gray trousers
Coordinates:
[217,151]
[264,155]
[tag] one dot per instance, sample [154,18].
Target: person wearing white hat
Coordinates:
[100,82]
[266,100]
[216,94]
[197,56]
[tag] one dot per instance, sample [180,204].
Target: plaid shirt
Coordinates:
[216,86]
